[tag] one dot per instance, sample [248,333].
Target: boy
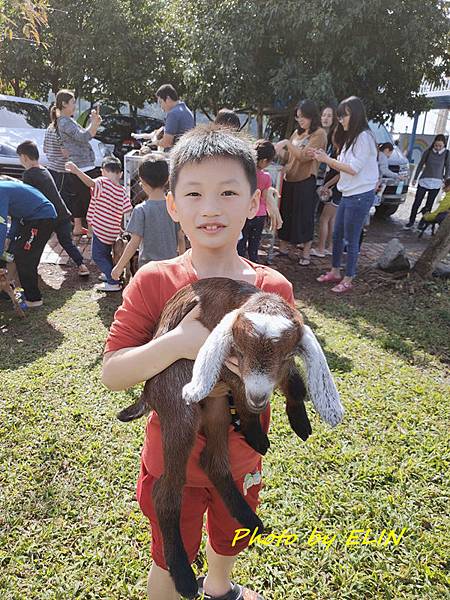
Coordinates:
[32,221]
[152,229]
[213,192]
[109,202]
[40,178]
[253,228]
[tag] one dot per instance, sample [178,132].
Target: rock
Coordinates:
[394,258]
[442,270]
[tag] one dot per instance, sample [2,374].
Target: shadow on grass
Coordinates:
[23,340]
[396,320]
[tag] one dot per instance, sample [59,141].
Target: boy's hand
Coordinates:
[116,273]
[191,334]
[71,167]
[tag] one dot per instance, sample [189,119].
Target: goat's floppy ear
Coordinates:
[210,359]
[322,389]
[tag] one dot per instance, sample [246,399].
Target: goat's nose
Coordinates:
[258,389]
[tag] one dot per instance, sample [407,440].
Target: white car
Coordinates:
[24,119]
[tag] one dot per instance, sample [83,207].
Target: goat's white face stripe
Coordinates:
[258,384]
[271,326]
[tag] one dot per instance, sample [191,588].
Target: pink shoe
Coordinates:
[342,287]
[328,278]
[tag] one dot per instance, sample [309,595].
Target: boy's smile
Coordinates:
[213,200]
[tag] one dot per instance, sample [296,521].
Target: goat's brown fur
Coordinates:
[7,287]
[181,422]
[117,251]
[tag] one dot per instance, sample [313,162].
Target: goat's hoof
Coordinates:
[185,581]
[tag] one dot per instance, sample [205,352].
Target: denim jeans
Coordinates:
[351,215]
[101,255]
[64,234]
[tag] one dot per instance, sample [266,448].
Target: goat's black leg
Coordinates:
[294,391]
[179,426]
[215,462]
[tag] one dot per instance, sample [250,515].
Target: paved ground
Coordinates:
[378,234]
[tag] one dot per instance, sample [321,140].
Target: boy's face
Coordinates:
[212,201]
[388,152]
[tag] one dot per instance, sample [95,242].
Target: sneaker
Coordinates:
[108,287]
[83,271]
[102,277]
[34,303]
[408,226]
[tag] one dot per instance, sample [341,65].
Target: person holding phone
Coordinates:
[75,140]
[298,195]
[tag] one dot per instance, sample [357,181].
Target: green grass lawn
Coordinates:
[69,523]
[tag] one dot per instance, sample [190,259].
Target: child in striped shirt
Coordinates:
[109,202]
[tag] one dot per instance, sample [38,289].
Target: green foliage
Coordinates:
[245,54]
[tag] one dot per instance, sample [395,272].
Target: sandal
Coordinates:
[237,592]
[328,278]
[304,262]
[315,252]
[342,287]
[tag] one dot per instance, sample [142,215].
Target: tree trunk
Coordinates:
[437,249]
[259,122]
[16,87]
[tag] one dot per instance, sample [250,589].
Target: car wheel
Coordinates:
[385,210]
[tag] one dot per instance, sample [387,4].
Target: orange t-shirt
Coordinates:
[134,323]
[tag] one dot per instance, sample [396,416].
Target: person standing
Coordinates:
[358,167]
[40,178]
[75,139]
[57,155]
[298,196]
[432,170]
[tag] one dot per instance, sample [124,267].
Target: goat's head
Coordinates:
[264,334]
[264,345]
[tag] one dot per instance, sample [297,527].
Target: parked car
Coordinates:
[398,163]
[116,130]
[25,119]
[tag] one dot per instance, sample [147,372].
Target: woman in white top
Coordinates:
[358,167]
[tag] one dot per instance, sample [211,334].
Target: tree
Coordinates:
[271,54]
[437,249]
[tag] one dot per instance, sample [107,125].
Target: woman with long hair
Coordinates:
[329,195]
[432,170]
[75,140]
[298,196]
[358,168]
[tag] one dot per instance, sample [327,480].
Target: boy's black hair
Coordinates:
[112,164]
[154,170]
[212,142]
[386,146]
[264,150]
[228,118]
[29,149]
[167,91]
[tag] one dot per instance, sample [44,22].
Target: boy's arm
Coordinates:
[127,367]
[72,168]
[128,253]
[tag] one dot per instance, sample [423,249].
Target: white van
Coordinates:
[24,119]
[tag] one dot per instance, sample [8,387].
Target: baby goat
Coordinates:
[264,333]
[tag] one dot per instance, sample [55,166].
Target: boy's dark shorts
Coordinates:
[220,525]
